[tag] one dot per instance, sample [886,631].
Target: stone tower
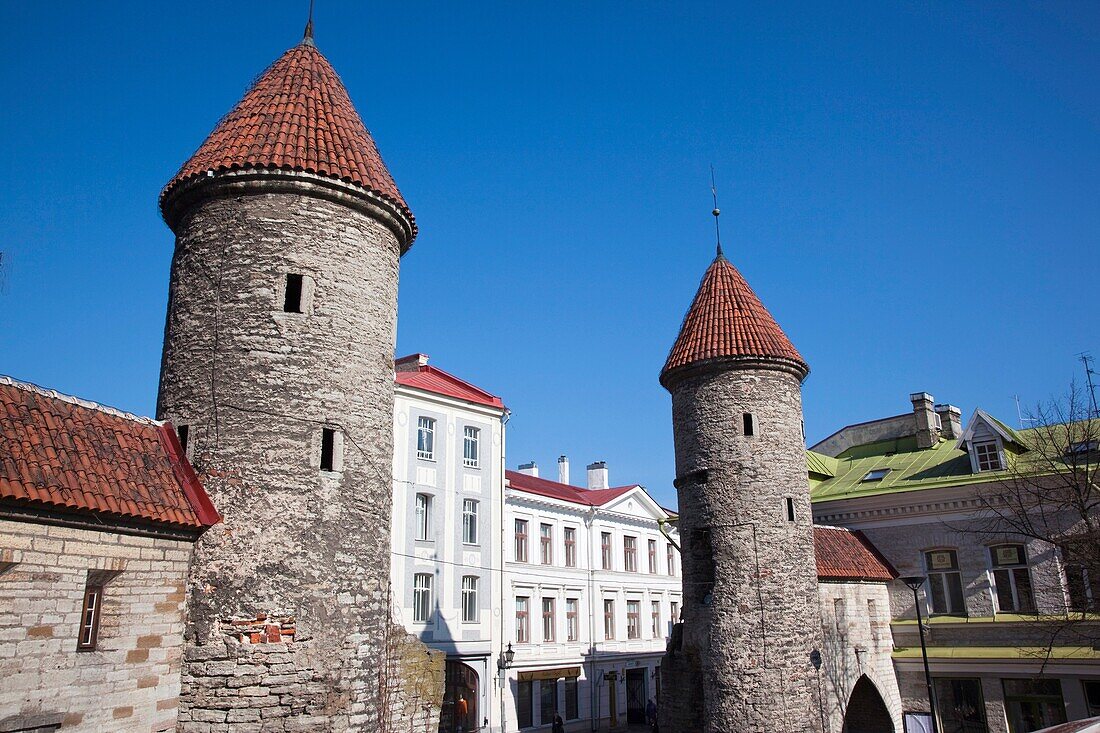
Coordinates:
[278,373]
[741,659]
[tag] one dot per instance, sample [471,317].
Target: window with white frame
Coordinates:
[572,620]
[945,589]
[425,438]
[523,620]
[1011,579]
[633,619]
[471,449]
[89,617]
[469,599]
[548,621]
[546,544]
[608,618]
[570,534]
[423,517]
[521,540]
[422,597]
[469,521]
[988,456]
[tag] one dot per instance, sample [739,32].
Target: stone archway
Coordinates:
[866,711]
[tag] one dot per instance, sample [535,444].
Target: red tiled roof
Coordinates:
[565,492]
[297,116]
[413,371]
[844,554]
[67,455]
[727,320]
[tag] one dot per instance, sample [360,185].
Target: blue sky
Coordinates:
[911,188]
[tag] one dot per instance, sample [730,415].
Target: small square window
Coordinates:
[877,474]
[292,295]
[988,456]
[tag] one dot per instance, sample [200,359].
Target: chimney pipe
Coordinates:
[950,420]
[924,414]
[531,469]
[563,470]
[597,475]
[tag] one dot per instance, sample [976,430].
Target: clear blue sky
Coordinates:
[913,189]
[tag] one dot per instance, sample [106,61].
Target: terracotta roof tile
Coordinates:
[844,554]
[297,116]
[727,320]
[68,455]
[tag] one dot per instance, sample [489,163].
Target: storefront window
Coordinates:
[548,692]
[1033,704]
[572,709]
[960,705]
[524,704]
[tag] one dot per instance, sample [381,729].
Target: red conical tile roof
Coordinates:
[297,116]
[727,321]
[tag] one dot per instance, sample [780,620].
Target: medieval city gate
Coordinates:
[866,711]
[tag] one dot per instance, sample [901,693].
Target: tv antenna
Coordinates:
[1086,359]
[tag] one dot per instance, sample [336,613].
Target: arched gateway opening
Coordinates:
[866,711]
[459,713]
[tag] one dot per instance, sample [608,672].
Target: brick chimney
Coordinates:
[563,470]
[411,363]
[531,469]
[597,475]
[924,413]
[950,420]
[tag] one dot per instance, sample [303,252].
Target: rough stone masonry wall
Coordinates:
[751,609]
[304,549]
[413,684]
[130,682]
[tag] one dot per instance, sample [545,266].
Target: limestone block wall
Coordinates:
[751,608]
[130,682]
[413,684]
[855,621]
[257,387]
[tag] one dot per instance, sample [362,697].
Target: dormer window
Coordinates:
[987,456]
[877,474]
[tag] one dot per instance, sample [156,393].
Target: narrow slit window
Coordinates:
[328,449]
[292,300]
[749,423]
[183,432]
[89,618]
[790,509]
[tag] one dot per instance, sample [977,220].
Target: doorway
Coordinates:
[866,711]
[635,696]
[459,713]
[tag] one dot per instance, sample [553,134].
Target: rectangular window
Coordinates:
[423,517]
[525,708]
[1011,579]
[328,448]
[945,588]
[471,456]
[960,705]
[605,549]
[790,509]
[1092,697]
[652,556]
[292,296]
[572,621]
[655,614]
[1031,704]
[548,701]
[469,599]
[630,554]
[521,540]
[748,423]
[670,558]
[469,521]
[546,544]
[523,620]
[570,547]
[548,621]
[1081,580]
[633,620]
[422,597]
[425,438]
[89,618]
[608,619]
[989,458]
[674,612]
[572,709]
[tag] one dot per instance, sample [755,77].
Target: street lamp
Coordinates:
[506,658]
[815,660]
[915,582]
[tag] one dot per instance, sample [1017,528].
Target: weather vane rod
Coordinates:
[716,212]
[308,36]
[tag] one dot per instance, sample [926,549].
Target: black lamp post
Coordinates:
[815,660]
[506,658]
[915,582]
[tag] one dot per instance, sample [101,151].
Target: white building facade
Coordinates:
[446,527]
[592,586]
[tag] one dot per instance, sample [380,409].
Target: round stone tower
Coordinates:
[278,373]
[751,616]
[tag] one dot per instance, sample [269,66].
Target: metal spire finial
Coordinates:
[307,37]
[716,212]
